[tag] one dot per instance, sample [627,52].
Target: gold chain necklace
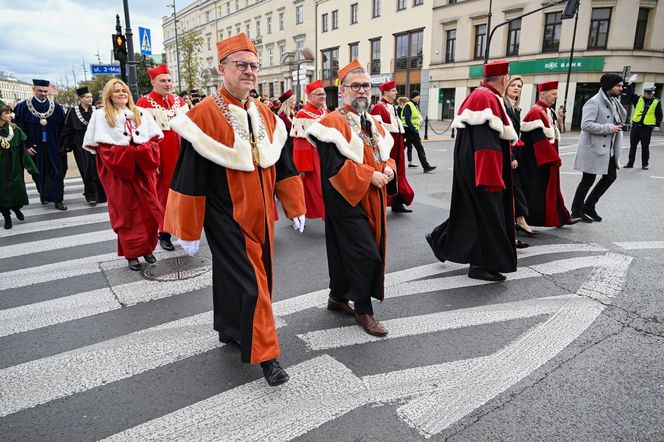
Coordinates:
[41,115]
[5,141]
[239,130]
[170,113]
[81,118]
[370,140]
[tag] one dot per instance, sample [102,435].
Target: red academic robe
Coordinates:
[390,120]
[218,186]
[540,163]
[307,160]
[169,146]
[355,224]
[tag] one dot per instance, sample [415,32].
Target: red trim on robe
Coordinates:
[489,169]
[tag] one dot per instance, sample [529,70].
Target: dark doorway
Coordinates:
[332,99]
[446,101]
[584,92]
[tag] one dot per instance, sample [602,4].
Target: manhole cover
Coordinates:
[441,196]
[178,268]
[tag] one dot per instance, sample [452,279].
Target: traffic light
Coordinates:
[570,8]
[120,47]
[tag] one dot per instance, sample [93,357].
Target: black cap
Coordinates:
[37,82]
[82,91]
[608,81]
[414,93]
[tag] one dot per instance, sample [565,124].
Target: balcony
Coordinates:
[374,67]
[405,63]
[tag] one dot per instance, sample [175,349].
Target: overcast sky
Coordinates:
[48,38]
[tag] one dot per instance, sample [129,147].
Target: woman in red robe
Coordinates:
[124,139]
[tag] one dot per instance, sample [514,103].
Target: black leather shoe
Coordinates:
[225,339]
[628,166]
[19,214]
[8,222]
[135,266]
[400,208]
[166,244]
[592,214]
[580,216]
[60,206]
[521,245]
[274,374]
[429,169]
[644,167]
[150,259]
[477,272]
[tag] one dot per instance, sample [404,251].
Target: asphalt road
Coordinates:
[568,348]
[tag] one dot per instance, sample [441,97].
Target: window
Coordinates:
[335,19]
[209,43]
[228,8]
[323,24]
[237,5]
[375,8]
[330,58]
[248,29]
[450,45]
[641,26]
[451,2]
[552,26]
[282,51]
[270,57]
[418,2]
[281,21]
[374,68]
[513,36]
[237,29]
[401,5]
[207,16]
[269,25]
[480,42]
[353,13]
[258,28]
[299,15]
[401,56]
[416,46]
[353,50]
[599,28]
[408,50]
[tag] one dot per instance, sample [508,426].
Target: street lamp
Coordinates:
[177,47]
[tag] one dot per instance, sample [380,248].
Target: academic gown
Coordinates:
[169,146]
[13,161]
[51,161]
[540,163]
[71,140]
[127,162]
[307,160]
[355,223]
[520,201]
[480,227]
[217,186]
[389,118]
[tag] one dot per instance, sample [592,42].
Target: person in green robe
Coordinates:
[13,160]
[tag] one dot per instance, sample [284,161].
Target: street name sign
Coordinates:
[105,69]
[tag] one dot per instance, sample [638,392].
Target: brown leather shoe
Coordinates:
[370,325]
[341,307]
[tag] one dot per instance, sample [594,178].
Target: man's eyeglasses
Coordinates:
[355,87]
[242,66]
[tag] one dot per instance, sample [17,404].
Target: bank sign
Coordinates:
[547,65]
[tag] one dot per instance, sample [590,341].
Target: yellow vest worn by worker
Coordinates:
[415,116]
[649,119]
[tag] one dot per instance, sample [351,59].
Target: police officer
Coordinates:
[646,118]
[412,120]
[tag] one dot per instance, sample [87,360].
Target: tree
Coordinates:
[98,82]
[144,85]
[190,63]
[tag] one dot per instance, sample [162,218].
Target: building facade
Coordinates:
[390,37]
[13,90]
[611,35]
[282,30]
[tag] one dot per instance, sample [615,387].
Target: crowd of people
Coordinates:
[170,166]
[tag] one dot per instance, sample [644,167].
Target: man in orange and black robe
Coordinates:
[356,168]
[231,165]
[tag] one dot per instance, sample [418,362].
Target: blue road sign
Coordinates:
[105,69]
[146,41]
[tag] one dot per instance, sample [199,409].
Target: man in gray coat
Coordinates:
[599,146]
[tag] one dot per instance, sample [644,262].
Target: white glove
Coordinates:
[656,129]
[389,172]
[298,223]
[191,247]
[632,79]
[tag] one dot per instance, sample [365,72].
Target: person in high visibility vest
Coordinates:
[646,118]
[412,121]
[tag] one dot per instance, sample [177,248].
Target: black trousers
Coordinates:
[642,134]
[580,201]
[413,140]
[363,307]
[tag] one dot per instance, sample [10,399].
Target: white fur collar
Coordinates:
[99,132]
[476,118]
[551,133]
[300,126]
[353,150]
[394,125]
[237,157]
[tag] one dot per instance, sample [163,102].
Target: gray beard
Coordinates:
[359,107]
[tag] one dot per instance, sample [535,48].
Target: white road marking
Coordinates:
[569,146]
[640,245]
[257,412]
[432,413]
[657,177]
[562,154]
[570,173]
[68,189]
[68,181]
[49,210]
[58,243]
[56,223]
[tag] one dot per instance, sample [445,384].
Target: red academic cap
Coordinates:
[313,86]
[286,95]
[547,86]
[349,67]
[161,69]
[236,43]
[496,68]
[387,86]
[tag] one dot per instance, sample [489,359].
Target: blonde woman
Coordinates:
[124,138]
[286,113]
[512,101]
